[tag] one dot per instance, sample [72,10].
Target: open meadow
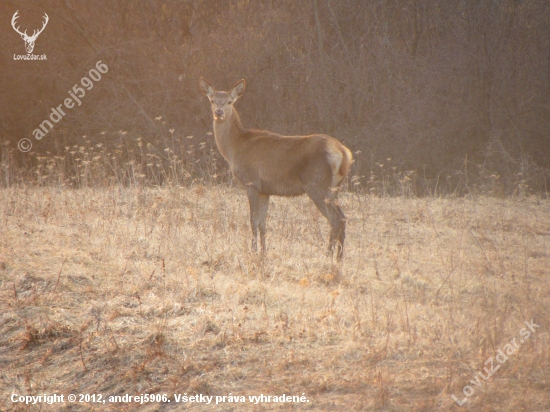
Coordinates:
[128,280]
[117,291]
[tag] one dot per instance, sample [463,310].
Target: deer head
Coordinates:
[29,40]
[222,101]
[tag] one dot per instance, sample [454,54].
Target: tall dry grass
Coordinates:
[174,158]
[109,285]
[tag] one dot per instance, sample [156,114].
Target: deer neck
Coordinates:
[229,135]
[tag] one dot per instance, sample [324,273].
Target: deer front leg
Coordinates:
[254,202]
[263,208]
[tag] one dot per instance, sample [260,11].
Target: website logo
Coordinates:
[29,40]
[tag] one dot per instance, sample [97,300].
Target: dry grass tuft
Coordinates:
[120,290]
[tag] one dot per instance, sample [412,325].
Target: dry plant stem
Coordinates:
[59,274]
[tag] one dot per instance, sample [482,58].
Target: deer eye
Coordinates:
[212,101]
[229,102]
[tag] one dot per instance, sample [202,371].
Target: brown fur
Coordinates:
[269,164]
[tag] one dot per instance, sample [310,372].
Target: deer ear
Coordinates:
[206,88]
[238,90]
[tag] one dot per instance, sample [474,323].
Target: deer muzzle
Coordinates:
[218,113]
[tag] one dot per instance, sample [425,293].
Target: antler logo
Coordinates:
[29,40]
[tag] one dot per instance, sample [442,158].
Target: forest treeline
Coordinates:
[443,96]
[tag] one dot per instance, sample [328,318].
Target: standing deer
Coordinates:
[268,164]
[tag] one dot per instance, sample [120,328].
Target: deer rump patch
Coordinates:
[335,158]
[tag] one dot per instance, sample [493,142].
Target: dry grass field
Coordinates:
[119,291]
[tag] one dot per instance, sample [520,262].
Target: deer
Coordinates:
[29,40]
[269,164]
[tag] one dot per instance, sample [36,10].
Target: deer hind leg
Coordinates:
[263,209]
[325,202]
[338,229]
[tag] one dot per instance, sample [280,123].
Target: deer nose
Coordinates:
[219,112]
